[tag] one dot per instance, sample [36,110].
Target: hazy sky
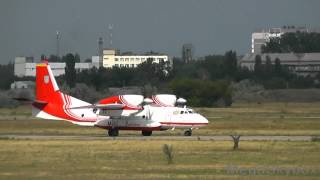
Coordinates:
[28,27]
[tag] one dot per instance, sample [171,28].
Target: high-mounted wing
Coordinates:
[130,101]
[102,106]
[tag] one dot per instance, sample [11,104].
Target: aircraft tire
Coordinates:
[113,132]
[146,133]
[188,133]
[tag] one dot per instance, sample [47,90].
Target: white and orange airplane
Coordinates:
[123,112]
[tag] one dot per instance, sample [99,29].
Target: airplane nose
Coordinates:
[204,120]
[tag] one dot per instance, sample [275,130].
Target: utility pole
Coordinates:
[110,28]
[58,44]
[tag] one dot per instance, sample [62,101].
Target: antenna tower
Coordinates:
[58,44]
[110,28]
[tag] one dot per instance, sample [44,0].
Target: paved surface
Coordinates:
[181,138]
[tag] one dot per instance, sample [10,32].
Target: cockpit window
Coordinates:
[186,112]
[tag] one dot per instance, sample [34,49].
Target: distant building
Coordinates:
[24,66]
[300,63]
[187,53]
[96,61]
[112,58]
[22,84]
[261,37]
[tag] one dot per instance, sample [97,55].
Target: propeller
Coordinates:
[148,113]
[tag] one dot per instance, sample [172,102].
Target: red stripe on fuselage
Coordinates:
[58,106]
[159,103]
[133,128]
[181,123]
[80,119]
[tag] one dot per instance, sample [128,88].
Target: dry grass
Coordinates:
[119,159]
[245,119]
[264,119]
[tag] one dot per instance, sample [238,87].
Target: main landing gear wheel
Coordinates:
[188,132]
[146,133]
[113,132]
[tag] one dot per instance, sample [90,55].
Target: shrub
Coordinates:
[168,152]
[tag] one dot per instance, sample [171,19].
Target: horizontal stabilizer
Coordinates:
[23,99]
[27,100]
[40,102]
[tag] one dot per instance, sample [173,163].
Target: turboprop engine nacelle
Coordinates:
[129,100]
[181,101]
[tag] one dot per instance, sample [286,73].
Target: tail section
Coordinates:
[51,103]
[46,85]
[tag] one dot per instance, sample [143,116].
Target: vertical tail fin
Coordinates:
[50,103]
[46,84]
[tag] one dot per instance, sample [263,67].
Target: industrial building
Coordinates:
[25,66]
[187,53]
[300,63]
[112,58]
[261,37]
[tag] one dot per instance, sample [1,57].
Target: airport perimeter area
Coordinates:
[93,156]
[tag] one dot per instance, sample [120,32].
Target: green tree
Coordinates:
[70,71]
[77,58]
[277,66]
[268,66]
[202,93]
[54,58]
[258,65]
[7,76]
[42,57]
[296,42]
[230,63]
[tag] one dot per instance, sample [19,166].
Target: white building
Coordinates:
[24,66]
[111,59]
[261,37]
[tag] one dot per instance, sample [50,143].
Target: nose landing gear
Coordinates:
[113,132]
[188,132]
[146,133]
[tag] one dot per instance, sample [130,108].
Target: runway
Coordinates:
[151,138]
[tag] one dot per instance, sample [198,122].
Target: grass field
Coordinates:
[114,159]
[124,159]
[245,119]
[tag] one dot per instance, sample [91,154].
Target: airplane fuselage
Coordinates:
[152,118]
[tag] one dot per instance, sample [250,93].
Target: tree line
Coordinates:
[7,76]
[203,82]
[296,42]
